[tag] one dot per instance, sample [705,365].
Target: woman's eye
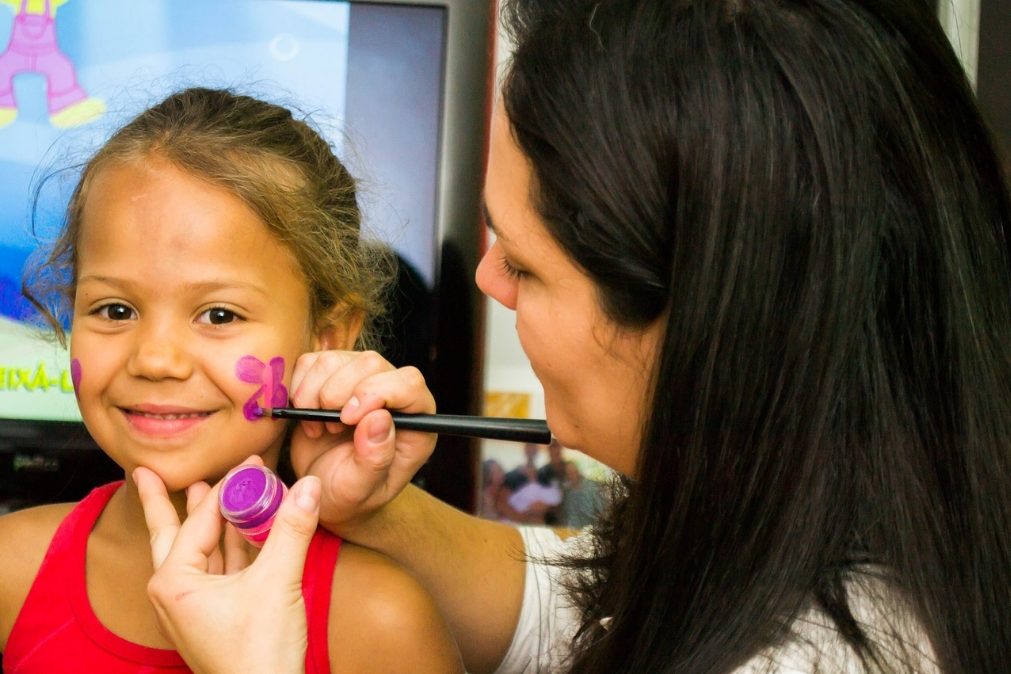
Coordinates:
[511,270]
[218,316]
[115,312]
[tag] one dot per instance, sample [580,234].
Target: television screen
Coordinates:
[383,80]
[369,75]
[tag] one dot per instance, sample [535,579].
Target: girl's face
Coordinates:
[595,373]
[178,282]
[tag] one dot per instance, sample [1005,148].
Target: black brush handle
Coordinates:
[489,428]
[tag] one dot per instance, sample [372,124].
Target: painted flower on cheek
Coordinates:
[254,371]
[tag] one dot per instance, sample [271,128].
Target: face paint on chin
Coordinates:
[252,370]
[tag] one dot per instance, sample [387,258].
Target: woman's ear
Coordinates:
[339,329]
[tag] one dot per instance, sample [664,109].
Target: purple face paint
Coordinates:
[249,499]
[75,376]
[270,377]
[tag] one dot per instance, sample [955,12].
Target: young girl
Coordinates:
[211,241]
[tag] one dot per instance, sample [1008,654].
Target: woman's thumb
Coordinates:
[283,554]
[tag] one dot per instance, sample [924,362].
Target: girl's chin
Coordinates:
[177,481]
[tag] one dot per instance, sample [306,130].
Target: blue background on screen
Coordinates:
[131,54]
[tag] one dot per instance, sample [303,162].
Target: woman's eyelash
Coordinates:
[510,270]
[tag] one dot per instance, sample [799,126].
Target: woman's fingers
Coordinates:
[311,374]
[159,514]
[197,540]
[357,383]
[313,369]
[283,555]
[195,494]
[236,550]
[196,543]
[355,464]
[360,476]
[390,454]
[363,462]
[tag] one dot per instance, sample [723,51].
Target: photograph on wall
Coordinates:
[534,484]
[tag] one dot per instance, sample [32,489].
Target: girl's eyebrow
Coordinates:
[197,286]
[207,286]
[107,280]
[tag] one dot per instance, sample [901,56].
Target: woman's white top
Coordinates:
[548,623]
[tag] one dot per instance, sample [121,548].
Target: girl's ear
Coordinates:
[339,329]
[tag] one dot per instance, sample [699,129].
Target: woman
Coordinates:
[759,261]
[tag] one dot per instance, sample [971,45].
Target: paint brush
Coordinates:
[489,428]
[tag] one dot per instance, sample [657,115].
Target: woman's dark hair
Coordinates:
[804,194]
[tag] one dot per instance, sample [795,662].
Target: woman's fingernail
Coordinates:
[380,430]
[307,493]
[352,404]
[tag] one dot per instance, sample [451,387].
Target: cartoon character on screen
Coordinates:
[33,48]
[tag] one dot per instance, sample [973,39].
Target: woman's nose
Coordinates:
[493,282]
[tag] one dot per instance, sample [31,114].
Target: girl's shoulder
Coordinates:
[383,620]
[24,539]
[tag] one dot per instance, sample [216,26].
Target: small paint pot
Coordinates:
[249,499]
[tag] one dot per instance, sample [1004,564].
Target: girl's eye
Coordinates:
[115,312]
[218,316]
[510,270]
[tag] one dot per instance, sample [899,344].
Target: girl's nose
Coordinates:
[160,352]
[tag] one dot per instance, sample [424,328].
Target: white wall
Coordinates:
[960,20]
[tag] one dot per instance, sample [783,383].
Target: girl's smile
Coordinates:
[163,421]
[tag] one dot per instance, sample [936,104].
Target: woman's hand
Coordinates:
[218,622]
[362,463]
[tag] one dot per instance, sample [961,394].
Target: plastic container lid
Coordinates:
[250,496]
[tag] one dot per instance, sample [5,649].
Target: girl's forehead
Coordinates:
[161,212]
[162,194]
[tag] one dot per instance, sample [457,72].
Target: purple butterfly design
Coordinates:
[253,370]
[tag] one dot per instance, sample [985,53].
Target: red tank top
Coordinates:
[57,631]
